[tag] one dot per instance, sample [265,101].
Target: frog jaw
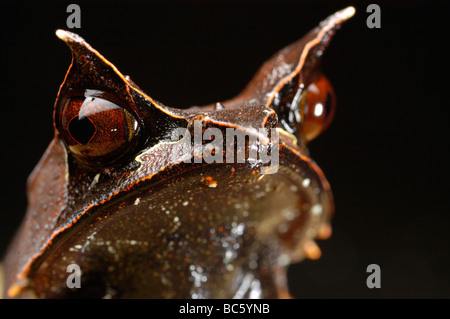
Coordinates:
[229,227]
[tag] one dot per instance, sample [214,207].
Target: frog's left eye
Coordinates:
[318,106]
[96,130]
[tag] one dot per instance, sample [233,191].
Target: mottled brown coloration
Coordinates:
[142,222]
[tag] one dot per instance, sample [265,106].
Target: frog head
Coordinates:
[147,200]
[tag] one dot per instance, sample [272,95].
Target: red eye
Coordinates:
[96,130]
[319,107]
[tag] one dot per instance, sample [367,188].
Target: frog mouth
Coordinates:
[174,218]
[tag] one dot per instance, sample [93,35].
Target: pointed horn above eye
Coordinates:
[89,69]
[88,62]
[87,58]
[64,35]
[310,49]
[91,73]
[292,64]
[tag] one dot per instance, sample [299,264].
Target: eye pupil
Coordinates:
[82,129]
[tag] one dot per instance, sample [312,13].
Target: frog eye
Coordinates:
[319,103]
[96,130]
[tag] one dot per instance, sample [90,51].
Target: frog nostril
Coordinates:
[82,129]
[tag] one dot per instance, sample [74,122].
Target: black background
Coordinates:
[383,154]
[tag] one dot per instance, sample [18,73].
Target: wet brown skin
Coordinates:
[141,223]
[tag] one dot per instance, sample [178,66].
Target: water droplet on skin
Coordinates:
[316,209]
[306,182]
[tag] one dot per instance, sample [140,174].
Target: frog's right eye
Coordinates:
[96,130]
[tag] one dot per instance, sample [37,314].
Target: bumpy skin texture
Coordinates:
[150,225]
